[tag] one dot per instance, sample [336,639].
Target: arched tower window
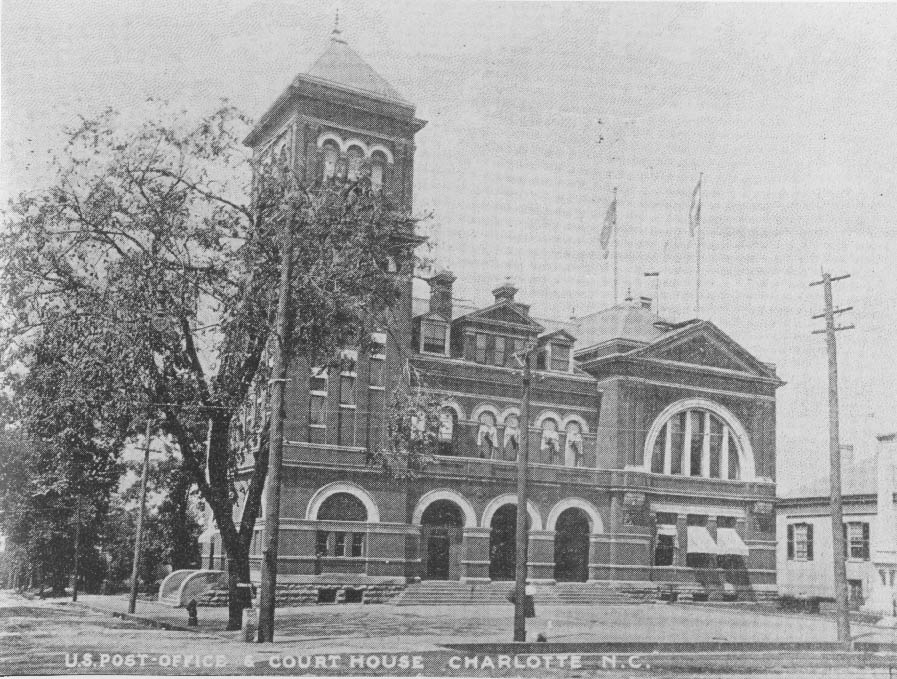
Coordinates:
[378,165]
[512,437]
[698,441]
[551,441]
[487,434]
[573,448]
[354,156]
[331,155]
[448,432]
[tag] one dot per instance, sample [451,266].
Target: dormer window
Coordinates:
[433,337]
[560,357]
[331,154]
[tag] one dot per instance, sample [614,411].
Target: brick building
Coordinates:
[652,443]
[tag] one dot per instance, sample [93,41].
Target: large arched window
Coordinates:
[342,507]
[699,439]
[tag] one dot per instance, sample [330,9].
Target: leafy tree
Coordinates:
[154,254]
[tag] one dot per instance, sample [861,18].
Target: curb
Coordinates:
[152,622]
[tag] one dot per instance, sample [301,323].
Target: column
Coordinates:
[686,445]
[540,556]
[475,555]
[705,447]
[724,455]
[668,449]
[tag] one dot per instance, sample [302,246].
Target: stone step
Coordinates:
[447,593]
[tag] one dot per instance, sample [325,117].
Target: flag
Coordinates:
[694,212]
[610,222]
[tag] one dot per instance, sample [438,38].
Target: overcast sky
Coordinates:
[536,111]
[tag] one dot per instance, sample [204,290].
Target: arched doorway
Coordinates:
[441,532]
[503,543]
[571,546]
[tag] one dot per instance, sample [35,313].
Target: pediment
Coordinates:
[706,346]
[503,313]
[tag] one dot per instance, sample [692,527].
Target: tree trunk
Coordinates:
[238,598]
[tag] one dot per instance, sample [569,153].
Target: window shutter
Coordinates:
[846,542]
[791,541]
[866,541]
[809,542]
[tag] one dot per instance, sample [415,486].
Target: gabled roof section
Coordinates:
[432,316]
[506,313]
[340,65]
[560,333]
[703,344]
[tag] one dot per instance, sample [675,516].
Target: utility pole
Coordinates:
[838,546]
[267,601]
[138,540]
[522,534]
[77,546]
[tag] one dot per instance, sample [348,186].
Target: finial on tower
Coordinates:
[336,32]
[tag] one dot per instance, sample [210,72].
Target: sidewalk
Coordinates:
[381,627]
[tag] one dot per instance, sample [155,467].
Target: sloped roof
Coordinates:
[340,65]
[857,478]
[625,321]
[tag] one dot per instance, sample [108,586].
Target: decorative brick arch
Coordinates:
[470,516]
[314,505]
[382,149]
[452,404]
[548,415]
[331,136]
[575,418]
[508,499]
[484,408]
[355,141]
[596,525]
[507,412]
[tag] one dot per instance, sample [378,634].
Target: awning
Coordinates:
[729,542]
[667,529]
[700,542]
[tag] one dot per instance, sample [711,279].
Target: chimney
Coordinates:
[441,294]
[646,303]
[505,291]
[884,537]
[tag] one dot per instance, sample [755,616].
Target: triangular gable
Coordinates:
[432,316]
[560,334]
[505,313]
[703,344]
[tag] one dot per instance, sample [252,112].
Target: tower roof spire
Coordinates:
[336,33]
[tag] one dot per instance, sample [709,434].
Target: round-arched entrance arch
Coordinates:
[503,542]
[442,532]
[571,546]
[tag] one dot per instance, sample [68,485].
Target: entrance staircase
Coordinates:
[453,593]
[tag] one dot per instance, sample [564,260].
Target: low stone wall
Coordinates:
[308,594]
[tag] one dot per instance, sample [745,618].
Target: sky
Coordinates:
[536,112]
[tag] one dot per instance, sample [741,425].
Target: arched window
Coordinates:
[331,155]
[551,441]
[448,432]
[512,437]
[354,157]
[378,165]
[696,441]
[573,448]
[487,435]
[342,507]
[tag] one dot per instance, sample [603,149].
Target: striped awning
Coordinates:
[729,542]
[700,541]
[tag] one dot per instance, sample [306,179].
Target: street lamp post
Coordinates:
[522,534]
[138,540]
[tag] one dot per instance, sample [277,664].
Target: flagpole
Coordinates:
[616,228]
[698,247]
